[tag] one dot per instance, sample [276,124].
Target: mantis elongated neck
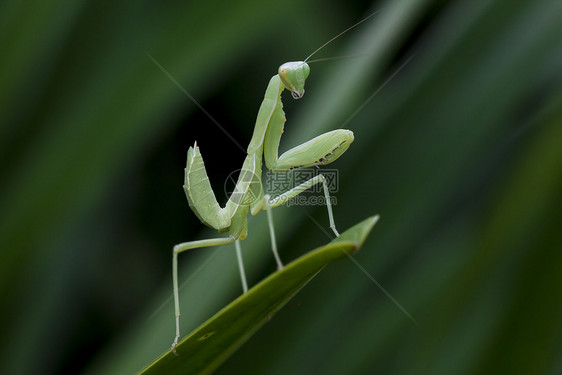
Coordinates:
[270,105]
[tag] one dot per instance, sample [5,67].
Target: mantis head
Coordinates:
[293,74]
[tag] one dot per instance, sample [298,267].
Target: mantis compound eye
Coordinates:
[293,76]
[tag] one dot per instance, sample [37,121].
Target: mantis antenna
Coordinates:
[339,57]
[340,34]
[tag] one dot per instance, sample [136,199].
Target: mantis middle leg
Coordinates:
[280,199]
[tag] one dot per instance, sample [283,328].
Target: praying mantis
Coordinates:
[248,195]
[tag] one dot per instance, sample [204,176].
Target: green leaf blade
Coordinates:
[214,341]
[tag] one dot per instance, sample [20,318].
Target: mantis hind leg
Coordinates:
[241,266]
[181,248]
[283,198]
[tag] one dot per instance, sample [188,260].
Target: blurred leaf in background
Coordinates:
[460,153]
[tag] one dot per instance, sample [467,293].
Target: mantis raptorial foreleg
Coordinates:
[320,150]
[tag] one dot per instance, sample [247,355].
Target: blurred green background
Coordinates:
[460,153]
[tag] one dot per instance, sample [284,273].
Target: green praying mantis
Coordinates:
[248,195]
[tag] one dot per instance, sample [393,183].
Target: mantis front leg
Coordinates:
[320,150]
